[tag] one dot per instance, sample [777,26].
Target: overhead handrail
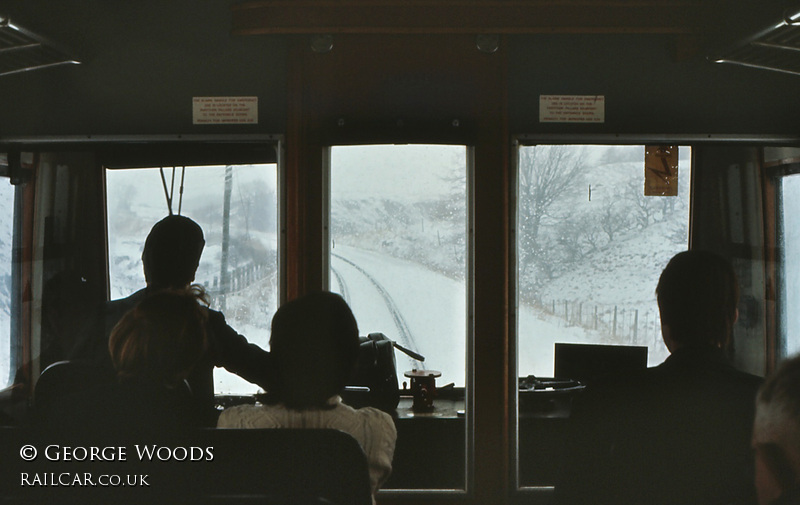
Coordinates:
[169,194]
[43,53]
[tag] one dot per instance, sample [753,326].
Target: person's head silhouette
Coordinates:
[314,345]
[172,252]
[697,298]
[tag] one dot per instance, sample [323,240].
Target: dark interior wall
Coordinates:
[144,61]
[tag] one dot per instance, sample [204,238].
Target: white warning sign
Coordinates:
[225,110]
[572,108]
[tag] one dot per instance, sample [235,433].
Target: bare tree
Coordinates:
[613,220]
[645,208]
[591,236]
[545,172]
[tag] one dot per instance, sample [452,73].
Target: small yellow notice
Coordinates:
[661,171]
[572,108]
[225,110]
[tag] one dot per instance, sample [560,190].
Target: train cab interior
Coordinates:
[493,186]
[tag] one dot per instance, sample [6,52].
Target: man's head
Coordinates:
[697,298]
[776,432]
[172,252]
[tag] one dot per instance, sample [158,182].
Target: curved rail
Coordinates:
[344,291]
[405,334]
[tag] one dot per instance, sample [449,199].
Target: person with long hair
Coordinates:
[314,346]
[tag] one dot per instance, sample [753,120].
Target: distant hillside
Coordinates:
[586,263]
[624,272]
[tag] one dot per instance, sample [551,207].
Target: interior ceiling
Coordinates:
[696,25]
[475,16]
[22,50]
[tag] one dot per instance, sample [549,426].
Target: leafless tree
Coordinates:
[613,219]
[645,208]
[545,172]
[592,232]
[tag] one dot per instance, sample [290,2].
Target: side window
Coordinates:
[6,261]
[591,247]
[237,207]
[788,219]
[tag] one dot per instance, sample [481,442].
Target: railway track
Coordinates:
[406,338]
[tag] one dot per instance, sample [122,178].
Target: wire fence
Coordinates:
[238,279]
[620,324]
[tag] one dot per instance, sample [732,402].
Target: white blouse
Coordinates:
[373,429]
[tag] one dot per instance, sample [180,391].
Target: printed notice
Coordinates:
[572,108]
[225,110]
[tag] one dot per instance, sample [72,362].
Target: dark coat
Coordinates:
[677,433]
[227,349]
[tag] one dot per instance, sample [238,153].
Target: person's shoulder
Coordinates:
[216,320]
[124,304]
[376,418]
[240,416]
[219,327]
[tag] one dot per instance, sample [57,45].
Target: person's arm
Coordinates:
[232,351]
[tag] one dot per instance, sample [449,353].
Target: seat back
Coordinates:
[205,466]
[287,466]
[66,377]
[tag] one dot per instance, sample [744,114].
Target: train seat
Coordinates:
[288,466]
[65,377]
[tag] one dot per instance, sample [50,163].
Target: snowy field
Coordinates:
[433,311]
[430,306]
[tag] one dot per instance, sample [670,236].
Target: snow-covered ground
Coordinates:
[432,306]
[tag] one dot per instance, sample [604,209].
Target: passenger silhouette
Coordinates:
[678,432]
[314,347]
[154,349]
[776,436]
[170,259]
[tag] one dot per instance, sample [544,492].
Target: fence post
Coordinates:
[635,324]
[595,317]
[614,331]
